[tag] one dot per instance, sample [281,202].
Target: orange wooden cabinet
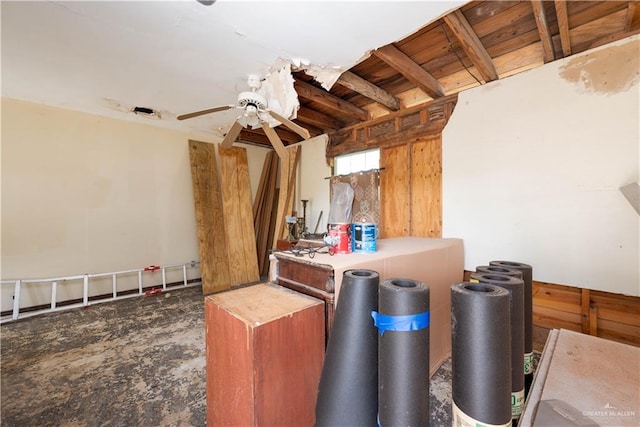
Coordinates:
[265,349]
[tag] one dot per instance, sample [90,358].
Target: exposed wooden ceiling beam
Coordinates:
[368,89]
[250,136]
[325,98]
[316,118]
[286,136]
[412,71]
[471,45]
[563,26]
[633,16]
[313,130]
[543,30]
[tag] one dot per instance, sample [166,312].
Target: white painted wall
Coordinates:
[89,194]
[532,166]
[312,183]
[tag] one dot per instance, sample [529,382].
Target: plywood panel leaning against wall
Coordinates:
[288,167]
[426,187]
[238,215]
[209,218]
[263,210]
[394,192]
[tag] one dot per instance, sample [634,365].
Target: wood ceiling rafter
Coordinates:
[413,72]
[316,118]
[368,89]
[543,30]
[259,136]
[633,16]
[471,45]
[563,26]
[325,98]
[484,40]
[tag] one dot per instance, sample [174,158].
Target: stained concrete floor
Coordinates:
[134,362]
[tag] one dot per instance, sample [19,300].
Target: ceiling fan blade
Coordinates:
[203,112]
[291,125]
[275,141]
[231,136]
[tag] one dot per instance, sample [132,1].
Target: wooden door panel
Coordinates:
[426,188]
[394,192]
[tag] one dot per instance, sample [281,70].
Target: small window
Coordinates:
[357,162]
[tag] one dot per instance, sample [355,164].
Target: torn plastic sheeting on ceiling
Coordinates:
[278,89]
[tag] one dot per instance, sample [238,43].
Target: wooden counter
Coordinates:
[437,262]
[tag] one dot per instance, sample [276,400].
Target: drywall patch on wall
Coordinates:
[593,73]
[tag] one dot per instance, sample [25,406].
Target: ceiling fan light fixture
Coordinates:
[251,115]
[252,98]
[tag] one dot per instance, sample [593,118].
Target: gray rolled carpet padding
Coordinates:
[480,354]
[495,269]
[348,389]
[527,277]
[403,324]
[515,286]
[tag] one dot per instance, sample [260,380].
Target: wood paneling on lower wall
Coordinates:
[602,314]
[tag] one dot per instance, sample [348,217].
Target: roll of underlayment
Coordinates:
[403,352]
[515,286]
[480,355]
[494,269]
[348,389]
[527,277]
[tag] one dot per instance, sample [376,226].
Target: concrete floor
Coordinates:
[134,362]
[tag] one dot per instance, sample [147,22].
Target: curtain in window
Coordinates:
[366,199]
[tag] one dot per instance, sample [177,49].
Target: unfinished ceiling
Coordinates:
[178,57]
[107,57]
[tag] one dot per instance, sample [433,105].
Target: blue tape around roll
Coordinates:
[405,323]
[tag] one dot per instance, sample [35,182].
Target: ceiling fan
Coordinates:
[255,113]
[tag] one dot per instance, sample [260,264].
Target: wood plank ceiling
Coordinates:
[481,42]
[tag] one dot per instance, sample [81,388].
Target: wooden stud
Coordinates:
[593,321]
[585,310]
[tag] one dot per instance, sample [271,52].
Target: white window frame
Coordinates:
[359,161]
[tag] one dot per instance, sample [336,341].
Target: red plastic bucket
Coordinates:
[339,235]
